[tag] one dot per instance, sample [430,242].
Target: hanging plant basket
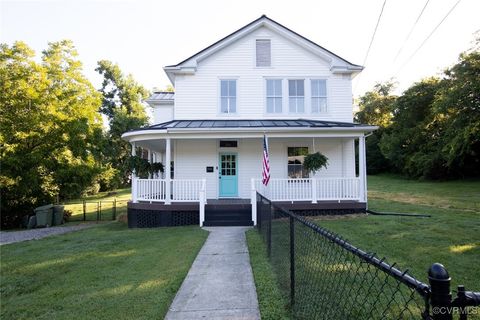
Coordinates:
[143,168]
[315,161]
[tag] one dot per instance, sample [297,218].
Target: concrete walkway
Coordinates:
[220,282]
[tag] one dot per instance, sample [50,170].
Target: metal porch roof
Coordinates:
[258,123]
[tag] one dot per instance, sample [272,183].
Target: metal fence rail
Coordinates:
[328,278]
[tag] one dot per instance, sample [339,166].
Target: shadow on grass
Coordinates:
[108,272]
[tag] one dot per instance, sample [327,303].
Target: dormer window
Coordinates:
[263,52]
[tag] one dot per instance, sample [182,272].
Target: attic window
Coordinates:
[263,53]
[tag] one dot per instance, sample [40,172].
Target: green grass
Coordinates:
[271,302]
[451,236]
[105,272]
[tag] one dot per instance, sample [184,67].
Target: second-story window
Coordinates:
[228,96]
[296,96]
[319,96]
[274,96]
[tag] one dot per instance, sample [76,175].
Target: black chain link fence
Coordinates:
[328,278]
[101,210]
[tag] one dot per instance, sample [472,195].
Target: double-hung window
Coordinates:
[228,96]
[296,157]
[296,96]
[274,96]
[319,96]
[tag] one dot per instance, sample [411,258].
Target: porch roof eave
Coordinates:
[216,133]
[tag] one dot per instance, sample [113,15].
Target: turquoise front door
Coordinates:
[228,175]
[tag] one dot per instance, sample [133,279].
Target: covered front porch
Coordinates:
[223,166]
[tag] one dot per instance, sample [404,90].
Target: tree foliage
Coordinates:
[432,130]
[49,126]
[376,108]
[122,105]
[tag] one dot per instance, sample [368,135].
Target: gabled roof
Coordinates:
[189,65]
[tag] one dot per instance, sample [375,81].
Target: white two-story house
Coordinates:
[262,80]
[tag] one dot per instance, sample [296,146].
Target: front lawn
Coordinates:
[106,272]
[451,236]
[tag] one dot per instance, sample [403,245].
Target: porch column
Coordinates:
[134,182]
[168,169]
[362,168]
[150,161]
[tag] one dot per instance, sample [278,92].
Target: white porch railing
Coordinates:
[310,189]
[187,190]
[154,190]
[148,190]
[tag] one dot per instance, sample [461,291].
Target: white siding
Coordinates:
[162,113]
[197,96]
[191,158]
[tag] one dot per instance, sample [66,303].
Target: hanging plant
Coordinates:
[143,168]
[315,161]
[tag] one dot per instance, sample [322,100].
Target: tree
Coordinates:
[122,104]
[409,141]
[457,109]
[49,125]
[376,108]
[436,125]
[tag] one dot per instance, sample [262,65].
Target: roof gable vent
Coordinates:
[263,51]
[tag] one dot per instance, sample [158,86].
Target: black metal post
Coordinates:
[84,211]
[98,211]
[259,214]
[440,297]
[269,234]
[292,261]
[114,209]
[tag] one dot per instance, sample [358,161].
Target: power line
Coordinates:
[371,41]
[411,31]
[374,32]
[428,37]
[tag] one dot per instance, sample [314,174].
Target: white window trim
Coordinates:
[282,97]
[305,92]
[219,95]
[327,95]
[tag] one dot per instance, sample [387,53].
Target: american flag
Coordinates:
[266,163]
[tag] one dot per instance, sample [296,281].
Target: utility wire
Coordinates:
[371,40]
[411,31]
[428,37]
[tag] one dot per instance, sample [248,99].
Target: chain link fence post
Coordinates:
[440,296]
[84,210]
[292,261]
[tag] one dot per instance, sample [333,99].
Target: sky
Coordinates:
[143,36]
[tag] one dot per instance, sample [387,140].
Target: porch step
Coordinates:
[228,223]
[228,214]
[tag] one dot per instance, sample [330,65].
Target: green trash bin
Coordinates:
[58,215]
[44,215]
